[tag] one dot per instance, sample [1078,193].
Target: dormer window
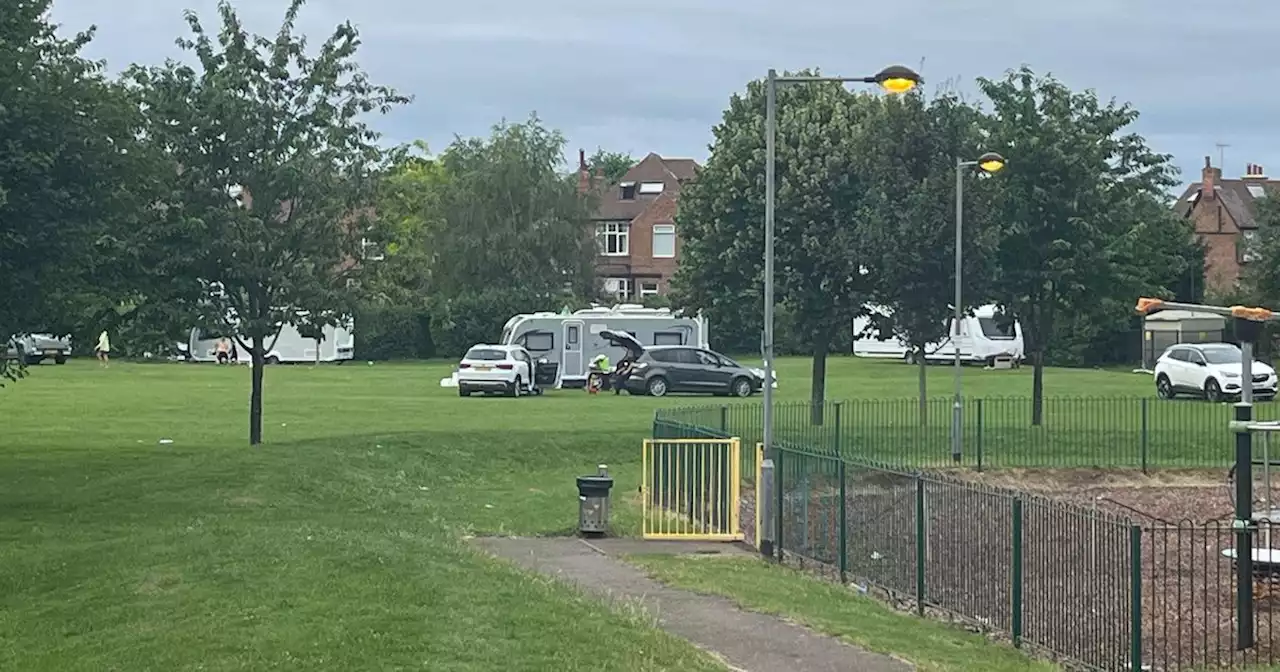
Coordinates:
[1256,191]
[651,188]
[627,191]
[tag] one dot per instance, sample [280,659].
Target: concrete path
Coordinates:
[747,641]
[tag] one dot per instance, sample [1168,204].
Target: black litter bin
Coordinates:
[593,502]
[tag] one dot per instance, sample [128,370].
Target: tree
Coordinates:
[908,223]
[1260,278]
[270,179]
[514,234]
[72,181]
[819,193]
[1070,203]
[409,212]
[612,165]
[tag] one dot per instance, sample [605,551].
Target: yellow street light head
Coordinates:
[991,162]
[898,79]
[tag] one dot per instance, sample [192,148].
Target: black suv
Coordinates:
[661,369]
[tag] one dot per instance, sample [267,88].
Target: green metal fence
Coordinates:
[859,498]
[1117,433]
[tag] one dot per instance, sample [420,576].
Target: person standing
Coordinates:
[104,349]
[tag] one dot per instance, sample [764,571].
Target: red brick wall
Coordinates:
[1219,234]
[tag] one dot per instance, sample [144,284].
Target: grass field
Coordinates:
[338,543]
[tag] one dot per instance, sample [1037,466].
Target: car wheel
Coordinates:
[1164,388]
[657,386]
[910,357]
[273,360]
[463,392]
[59,360]
[741,387]
[515,388]
[1212,392]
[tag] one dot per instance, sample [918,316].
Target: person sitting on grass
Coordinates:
[223,351]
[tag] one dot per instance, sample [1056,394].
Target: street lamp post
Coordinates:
[988,163]
[893,79]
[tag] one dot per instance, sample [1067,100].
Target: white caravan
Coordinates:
[565,343]
[290,346]
[983,338]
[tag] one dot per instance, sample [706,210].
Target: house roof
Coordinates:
[1235,196]
[672,173]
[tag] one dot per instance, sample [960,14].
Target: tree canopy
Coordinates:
[271,164]
[72,181]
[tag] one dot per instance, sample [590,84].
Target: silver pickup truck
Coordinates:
[35,348]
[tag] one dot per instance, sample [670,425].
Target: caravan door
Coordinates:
[571,366]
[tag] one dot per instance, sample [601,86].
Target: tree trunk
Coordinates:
[257,361]
[923,385]
[817,393]
[1037,388]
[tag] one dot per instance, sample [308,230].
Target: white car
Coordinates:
[505,369]
[1209,370]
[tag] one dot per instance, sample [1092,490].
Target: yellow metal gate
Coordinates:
[692,489]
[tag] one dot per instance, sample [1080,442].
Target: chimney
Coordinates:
[584,173]
[1254,172]
[1209,179]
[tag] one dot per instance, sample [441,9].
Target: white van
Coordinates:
[984,337]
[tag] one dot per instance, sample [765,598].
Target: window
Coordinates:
[1179,355]
[662,355]
[1245,247]
[664,241]
[537,341]
[687,357]
[651,188]
[648,289]
[486,355]
[1256,191]
[1191,198]
[371,251]
[627,191]
[668,338]
[619,288]
[572,337]
[613,238]
[996,329]
[706,358]
[1223,355]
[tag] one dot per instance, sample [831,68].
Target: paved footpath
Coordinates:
[745,640]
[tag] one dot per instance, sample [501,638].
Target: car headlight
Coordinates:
[1230,374]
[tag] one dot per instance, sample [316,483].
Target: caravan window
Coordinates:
[668,338]
[996,329]
[572,336]
[538,341]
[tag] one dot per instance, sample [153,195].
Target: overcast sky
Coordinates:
[656,75]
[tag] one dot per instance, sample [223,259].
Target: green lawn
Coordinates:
[336,545]
[1090,419]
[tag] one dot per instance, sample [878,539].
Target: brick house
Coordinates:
[1224,216]
[635,225]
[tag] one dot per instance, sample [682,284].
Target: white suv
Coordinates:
[1210,370]
[506,369]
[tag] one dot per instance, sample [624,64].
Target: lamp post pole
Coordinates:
[957,406]
[894,79]
[988,163]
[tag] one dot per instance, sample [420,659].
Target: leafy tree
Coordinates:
[908,222]
[612,165]
[1070,203]
[514,234]
[72,180]
[409,212]
[270,177]
[1260,278]
[819,193]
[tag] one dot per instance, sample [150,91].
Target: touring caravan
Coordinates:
[983,338]
[565,343]
[338,345]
